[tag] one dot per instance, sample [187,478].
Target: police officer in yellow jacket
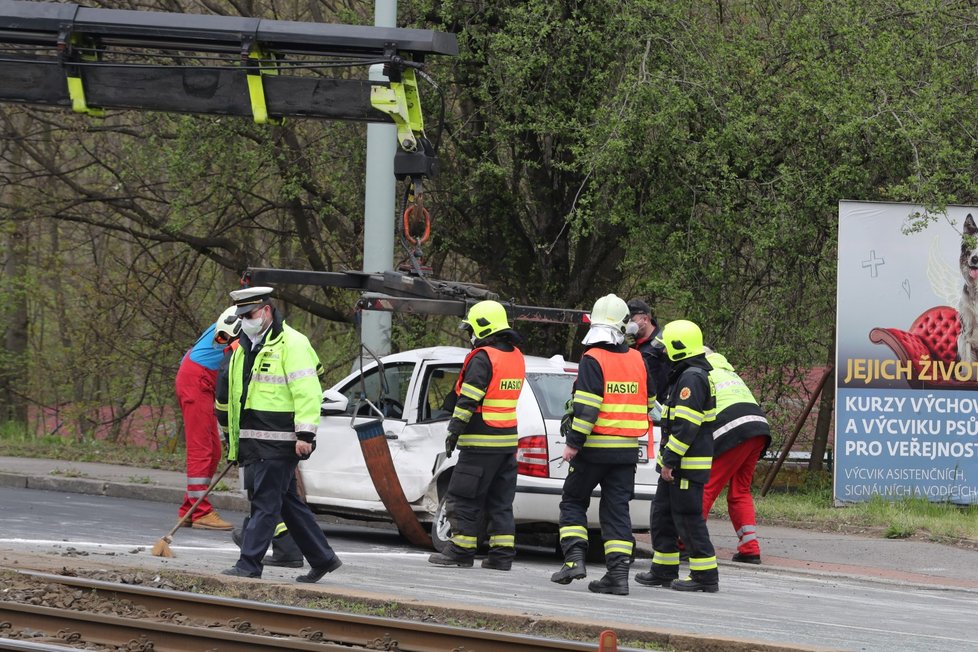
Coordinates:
[273,407]
[484,428]
[613,393]
[684,460]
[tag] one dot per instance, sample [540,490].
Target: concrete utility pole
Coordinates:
[378,205]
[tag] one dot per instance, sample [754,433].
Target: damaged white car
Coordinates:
[414,391]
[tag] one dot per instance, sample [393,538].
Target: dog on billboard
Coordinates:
[968,303]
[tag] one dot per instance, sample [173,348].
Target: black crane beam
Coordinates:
[191,63]
[40,23]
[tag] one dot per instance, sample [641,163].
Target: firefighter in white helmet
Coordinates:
[612,396]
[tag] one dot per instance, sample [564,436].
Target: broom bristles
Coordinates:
[162,548]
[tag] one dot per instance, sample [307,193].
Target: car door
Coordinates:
[336,473]
[423,439]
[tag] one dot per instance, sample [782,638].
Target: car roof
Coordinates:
[456,355]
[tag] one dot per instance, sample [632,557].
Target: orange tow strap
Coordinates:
[380,464]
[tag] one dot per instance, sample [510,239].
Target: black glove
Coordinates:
[566,425]
[451,441]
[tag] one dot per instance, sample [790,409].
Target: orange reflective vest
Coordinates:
[496,414]
[624,410]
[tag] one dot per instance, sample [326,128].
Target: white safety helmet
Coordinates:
[610,310]
[227,326]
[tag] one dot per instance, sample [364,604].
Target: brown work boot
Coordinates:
[211,521]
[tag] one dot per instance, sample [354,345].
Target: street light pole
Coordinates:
[378,209]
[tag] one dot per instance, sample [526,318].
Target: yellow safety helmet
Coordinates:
[485,318]
[683,339]
[610,310]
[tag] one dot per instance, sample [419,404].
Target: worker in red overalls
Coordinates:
[741,436]
[195,385]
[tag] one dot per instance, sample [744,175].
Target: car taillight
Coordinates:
[532,456]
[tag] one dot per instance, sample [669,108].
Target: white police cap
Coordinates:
[247,299]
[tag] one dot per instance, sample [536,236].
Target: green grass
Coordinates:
[16,442]
[811,506]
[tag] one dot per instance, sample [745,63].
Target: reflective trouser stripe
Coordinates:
[702,563]
[502,541]
[617,546]
[280,529]
[463,541]
[747,533]
[573,532]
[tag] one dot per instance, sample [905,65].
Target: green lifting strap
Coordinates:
[402,103]
[76,87]
[256,89]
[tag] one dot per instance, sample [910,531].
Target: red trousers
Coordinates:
[736,468]
[195,392]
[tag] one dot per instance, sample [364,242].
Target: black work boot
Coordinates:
[650,578]
[704,583]
[285,552]
[573,568]
[448,559]
[497,563]
[746,559]
[615,581]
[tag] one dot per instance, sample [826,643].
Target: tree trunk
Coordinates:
[824,423]
[13,312]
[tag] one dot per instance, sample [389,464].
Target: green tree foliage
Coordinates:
[690,153]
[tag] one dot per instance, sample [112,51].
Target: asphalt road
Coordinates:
[758,603]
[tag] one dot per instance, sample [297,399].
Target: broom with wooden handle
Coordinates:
[162,547]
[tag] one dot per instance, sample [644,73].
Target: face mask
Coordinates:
[252,326]
[631,328]
[473,339]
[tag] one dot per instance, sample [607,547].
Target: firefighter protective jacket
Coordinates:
[273,394]
[612,397]
[739,417]
[687,421]
[488,389]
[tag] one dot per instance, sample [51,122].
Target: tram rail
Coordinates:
[183,621]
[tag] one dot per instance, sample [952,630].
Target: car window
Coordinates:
[389,399]
[438,398]
[552,392]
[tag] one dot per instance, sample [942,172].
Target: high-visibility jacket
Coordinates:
[492,424]
[739,417]
[618,416]
[687,421]
[221,390]
[274,396]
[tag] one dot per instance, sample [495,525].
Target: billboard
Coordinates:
[907,355]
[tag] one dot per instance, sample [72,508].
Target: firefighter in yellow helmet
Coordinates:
[612,396]
[484,428]
[684,460]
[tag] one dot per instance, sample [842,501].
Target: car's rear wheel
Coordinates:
[441,528]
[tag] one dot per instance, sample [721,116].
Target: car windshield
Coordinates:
[552,392]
